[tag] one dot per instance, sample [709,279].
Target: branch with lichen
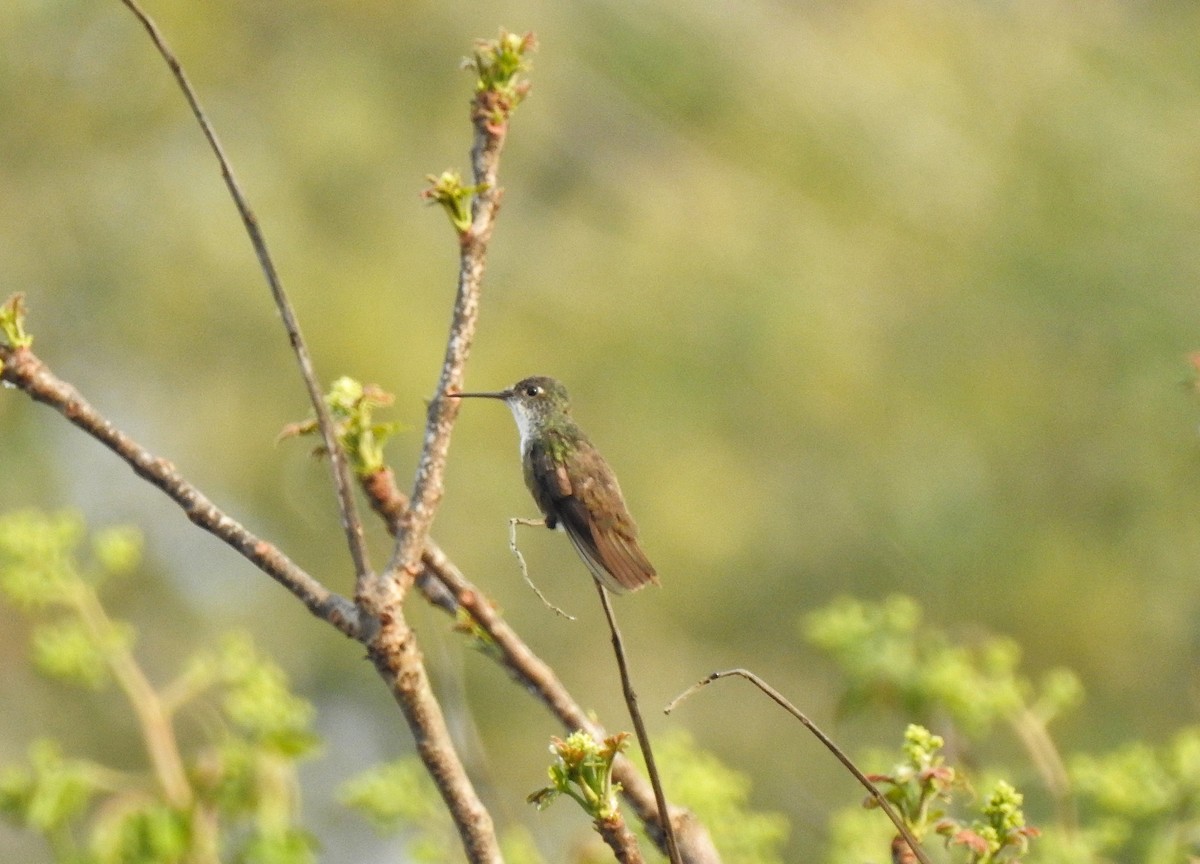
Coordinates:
[500,85]
[393,648]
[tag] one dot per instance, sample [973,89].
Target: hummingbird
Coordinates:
[573,485]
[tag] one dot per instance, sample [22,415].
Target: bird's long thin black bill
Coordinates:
[502,394]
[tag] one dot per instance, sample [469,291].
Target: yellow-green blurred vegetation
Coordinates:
[857,297]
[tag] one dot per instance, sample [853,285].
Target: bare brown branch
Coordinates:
[24,370]
[397,656]
[417,518]
[620,839]
[394,648]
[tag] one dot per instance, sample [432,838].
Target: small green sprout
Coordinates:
[481,639]
[920,785]
[447,189]
[582,769]
[500,86]
[1001,835]
[12,322]
[351,406]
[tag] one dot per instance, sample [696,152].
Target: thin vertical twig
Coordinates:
[639,726]
[417,519]
[351,524]
[394,648]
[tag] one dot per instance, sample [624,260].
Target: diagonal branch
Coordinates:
[905,841]
[24,370]
[351,524]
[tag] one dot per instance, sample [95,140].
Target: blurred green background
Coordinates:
[857,297]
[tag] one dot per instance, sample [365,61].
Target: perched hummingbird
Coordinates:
[573,485]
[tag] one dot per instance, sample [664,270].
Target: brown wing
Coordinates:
[592,511]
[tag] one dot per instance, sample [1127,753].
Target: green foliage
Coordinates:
[50,791]
[447,189]
[1138,800]
[351,409]
[1145,800]
[999,835]
[40,572]
[399,798]
[720,797]
[582,769]
[37,563]
[257,701]
[68,650]
[396,795]
[232,798]
[890,655]
[500,86]
[499,65]
[141,833]
[921,788]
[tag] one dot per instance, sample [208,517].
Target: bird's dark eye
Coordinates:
[533,390]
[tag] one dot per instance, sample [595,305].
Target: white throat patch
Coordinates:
[524,427]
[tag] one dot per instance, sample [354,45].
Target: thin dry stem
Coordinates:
[639,726]
[833,748]
[394,648]
[516,550]
[351,524]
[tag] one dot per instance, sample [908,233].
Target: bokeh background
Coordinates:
[858,297]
